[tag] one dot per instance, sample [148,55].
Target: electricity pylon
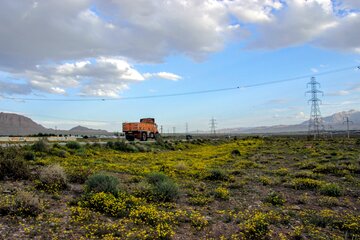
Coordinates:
[316,126]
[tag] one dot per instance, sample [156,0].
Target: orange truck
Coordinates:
[146,128]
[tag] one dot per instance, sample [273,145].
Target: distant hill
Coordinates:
[14,124]
[18,125]
[80,130]
[335,121]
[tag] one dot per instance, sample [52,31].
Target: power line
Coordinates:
[183,93]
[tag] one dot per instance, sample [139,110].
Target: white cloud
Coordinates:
[350,4]
[344,36]
[45,42]
[163,75]
[14,88]
[298,23]
[339,93]
[100,77]
[314,70]
[253,11]
[301,116]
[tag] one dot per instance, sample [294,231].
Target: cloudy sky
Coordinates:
[113,49]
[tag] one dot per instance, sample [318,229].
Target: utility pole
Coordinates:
[331,131]
[213,126]
[347,121]
[174,130]
[161,129]
[186,128]
[316,126]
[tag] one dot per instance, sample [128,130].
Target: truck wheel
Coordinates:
[143,136]
[151,135]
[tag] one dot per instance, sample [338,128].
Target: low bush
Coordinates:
[197,220]
[22,204]
[163,188]
[78,175]
[73,145]
[40,146]
[102,182]
[114,206]
[200,200]
[255,225]
[156,177]
[275,198]
[329,201]
[330,189]
[52,178]
[217,174]
[306,183]
[165,191]
[30,156]
[222,193]
[235,153]
[11,166]
[124,147]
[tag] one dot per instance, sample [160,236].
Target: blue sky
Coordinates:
[250,43]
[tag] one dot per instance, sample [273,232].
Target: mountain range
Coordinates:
[19,125]
[334,122]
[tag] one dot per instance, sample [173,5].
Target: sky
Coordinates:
[116,50]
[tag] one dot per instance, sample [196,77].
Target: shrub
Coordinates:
[110,145]
[162,187]
[329,201]
[265,180]
[102,182]
[22,204]
[307,174]
[114,206]
[222,193]
[235,153]
[282,171]
[78,175]
[40,146]
[59,153]
[200,200]
[217,174]
[306,183]
[11,166]
[124,147]
[73,145]
[30,156]
[156,177]
[52,178]
[331,189]
[256,224]
[274,198]
[197,220]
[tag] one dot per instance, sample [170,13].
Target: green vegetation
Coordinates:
[12,166]
[102,183]
[243,188]
[52,178]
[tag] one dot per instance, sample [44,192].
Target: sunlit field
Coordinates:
[245,188]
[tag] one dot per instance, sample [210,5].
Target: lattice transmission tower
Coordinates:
[213,126]
[316,126]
